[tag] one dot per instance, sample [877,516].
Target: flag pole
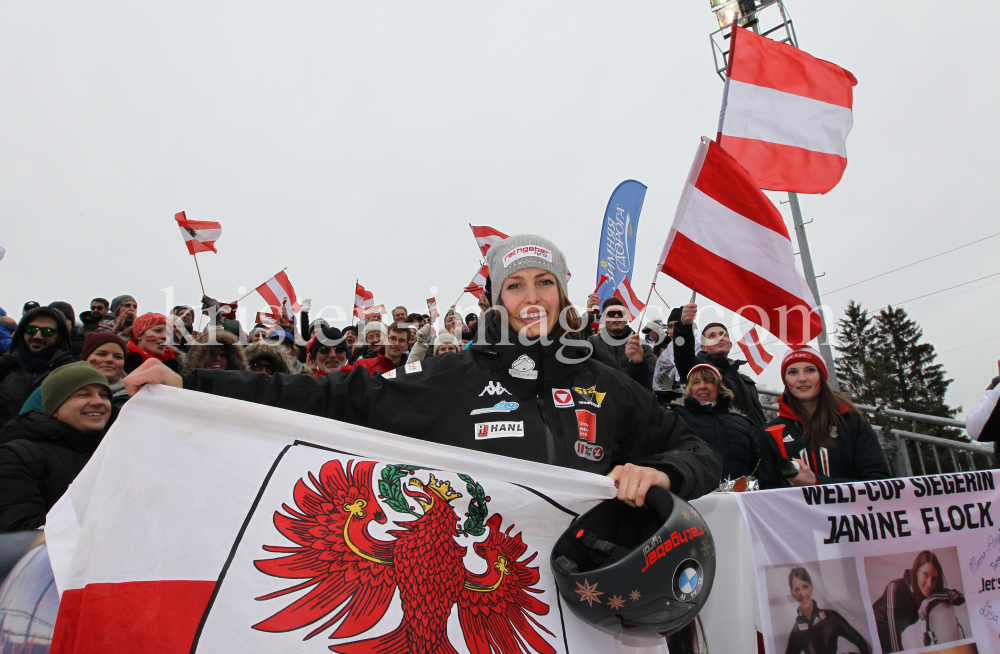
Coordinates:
[198,268]
[661,297]
[648,295]
[255,287]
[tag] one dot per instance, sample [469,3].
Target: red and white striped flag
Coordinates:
[199,235]
[785,114]
[362,300]
[278,293]
[625,293]
[730,244]
[486,237]
[756,355]
[476,286]
[432,308]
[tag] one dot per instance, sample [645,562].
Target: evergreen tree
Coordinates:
[855,362]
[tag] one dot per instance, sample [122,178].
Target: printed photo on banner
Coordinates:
[918,598]
[813,607]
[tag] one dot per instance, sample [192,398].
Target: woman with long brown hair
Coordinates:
[819,436]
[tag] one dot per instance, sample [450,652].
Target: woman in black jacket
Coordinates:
[818,431]
[526,388]
[816,630]
[41,453]
[707,408]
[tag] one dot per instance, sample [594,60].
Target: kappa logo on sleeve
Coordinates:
[589,451]
[494,388]
[488,430]
[527,251]
[390,374]
[523,368]
[589,395]
[413,367]
[562,398]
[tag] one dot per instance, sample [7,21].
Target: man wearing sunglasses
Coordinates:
[327,351]
[40,344]
[618,346]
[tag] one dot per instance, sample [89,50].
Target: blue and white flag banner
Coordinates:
[897,565]
[615,259]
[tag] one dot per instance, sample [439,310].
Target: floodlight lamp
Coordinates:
[727,11]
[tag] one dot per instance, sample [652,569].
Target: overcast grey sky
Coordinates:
[357,140]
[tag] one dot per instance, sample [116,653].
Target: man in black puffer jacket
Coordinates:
[715,347]
[42,453]
[32,357]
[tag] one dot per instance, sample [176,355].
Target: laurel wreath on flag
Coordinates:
[390,489]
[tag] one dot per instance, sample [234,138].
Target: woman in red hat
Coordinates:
[819,436]
[149,341]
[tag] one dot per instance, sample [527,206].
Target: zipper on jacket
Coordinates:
[550,441]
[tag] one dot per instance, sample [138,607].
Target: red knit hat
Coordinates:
[145,322]
[97,339]
[804,353]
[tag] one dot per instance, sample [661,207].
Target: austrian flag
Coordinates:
[625,293]
[785,115]
[486,237]
[476,286]
[362,300]
[730,244]
[756,355]
[278,293]
[199,235]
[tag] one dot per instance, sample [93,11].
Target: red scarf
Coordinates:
[146,356]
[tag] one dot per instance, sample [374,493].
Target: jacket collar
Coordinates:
[721,405]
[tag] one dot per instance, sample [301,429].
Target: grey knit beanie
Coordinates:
[444,338]
[522,251]
[117,303]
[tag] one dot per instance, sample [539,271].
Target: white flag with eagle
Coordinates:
[204,524]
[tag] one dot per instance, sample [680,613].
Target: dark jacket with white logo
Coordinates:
[857,456]
[820,635]
[451,398]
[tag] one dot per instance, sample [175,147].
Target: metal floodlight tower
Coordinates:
[770,18]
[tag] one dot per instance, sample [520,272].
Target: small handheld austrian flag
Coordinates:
[625,293]
[199,235]
[478,281]
[278,293]
[756,355]
[362,300]
[486,237]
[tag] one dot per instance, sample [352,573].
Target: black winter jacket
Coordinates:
[820,635]
[18,376]
[513,400]
[857,456]
[744,388]
[614,356]
[728,432]
[39,458]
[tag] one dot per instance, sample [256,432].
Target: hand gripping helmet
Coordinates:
[621,568]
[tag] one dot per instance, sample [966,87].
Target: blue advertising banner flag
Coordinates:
[621,222]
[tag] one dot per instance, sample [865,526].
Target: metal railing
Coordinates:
[910,452]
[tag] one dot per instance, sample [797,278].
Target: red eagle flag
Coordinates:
[278,293]
[730,244]
[199,235]
[362,300]
[486,237]
[625,293]
[756,355]
[785,114]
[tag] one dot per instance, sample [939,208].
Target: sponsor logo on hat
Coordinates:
[562,398]
[523,368]
[499,407]
[488,430]
[589,395]
[589,451]
[527,251]
[494,388]
[688,580]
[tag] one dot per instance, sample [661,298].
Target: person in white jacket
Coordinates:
[983,423]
